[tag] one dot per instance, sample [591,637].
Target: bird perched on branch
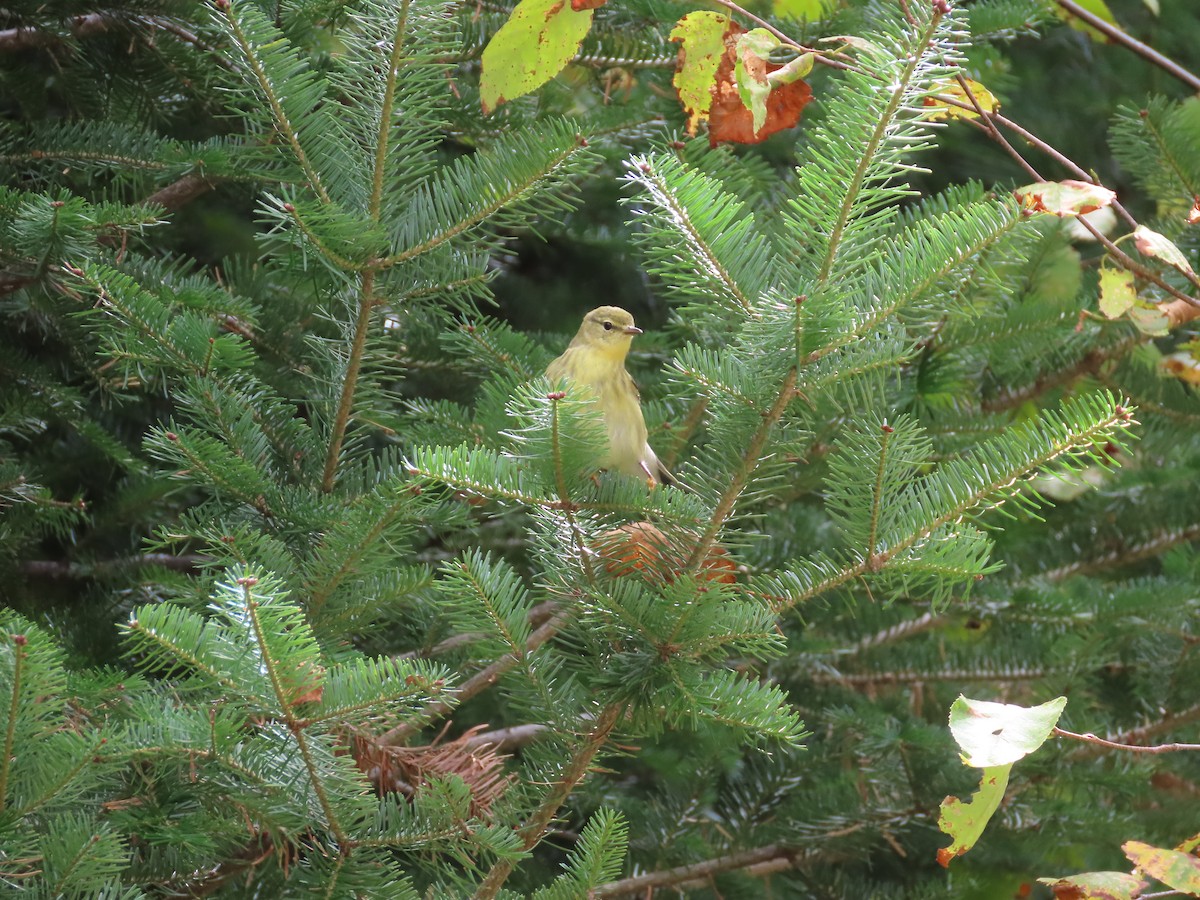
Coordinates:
[595,359]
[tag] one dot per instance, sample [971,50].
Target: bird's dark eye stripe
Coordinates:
[608,326]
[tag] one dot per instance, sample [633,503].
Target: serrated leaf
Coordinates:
[701,36]
[1117,293]
[952,90]
[996,734]
[1177,870]
[1095,886]
[1158,246]
[964,822]
[1064,198]
[537,41]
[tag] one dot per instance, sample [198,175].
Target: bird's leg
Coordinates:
[651,481]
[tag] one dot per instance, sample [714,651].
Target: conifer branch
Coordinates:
[286,704]
[65,777]
[61,568]
[868,681]
[560,483]
[481,214]
[318,595]
[877,494]
[1090,364]
[20,658]
[533,830]
[878,138]
[179,193]
[382,138]
[691,422]
[362,327]
[1126,556]
[750,460]
[283,122]
[1120,417]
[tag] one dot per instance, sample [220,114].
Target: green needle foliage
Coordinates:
[313,587]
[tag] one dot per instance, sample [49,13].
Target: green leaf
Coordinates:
[1173,868]
[964,822]
[793,71]
[1096,886]
[532,47]
[702,36]
[800,9]
[1151,243]
[750,72]
[1117,293]
[995,734]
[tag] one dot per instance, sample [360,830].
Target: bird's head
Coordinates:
[608,329]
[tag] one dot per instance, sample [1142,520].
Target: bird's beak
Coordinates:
[632,329]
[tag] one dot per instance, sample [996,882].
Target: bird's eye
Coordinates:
[608,326]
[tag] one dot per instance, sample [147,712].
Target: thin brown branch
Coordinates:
[1117,36]
[504,740]
[818,55]
[60,568]
[362,327]
[646,884]
[1088,365]
[1125,556]
[987,121]
[1141,735]
[1116,745]
[16,39]
[750,460]
[181,192]
[474,685]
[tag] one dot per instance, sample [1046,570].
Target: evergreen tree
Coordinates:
[313,587]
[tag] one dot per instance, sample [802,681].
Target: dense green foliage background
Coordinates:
[278,476]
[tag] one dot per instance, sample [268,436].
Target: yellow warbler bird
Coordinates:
[595,359]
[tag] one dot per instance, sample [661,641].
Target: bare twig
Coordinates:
[477,683]
[1117,36]
[645,884]
[506,739]
[988,120]
[181,192]
[1139,736]
[1115,745]
[59,568]
[16,39]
